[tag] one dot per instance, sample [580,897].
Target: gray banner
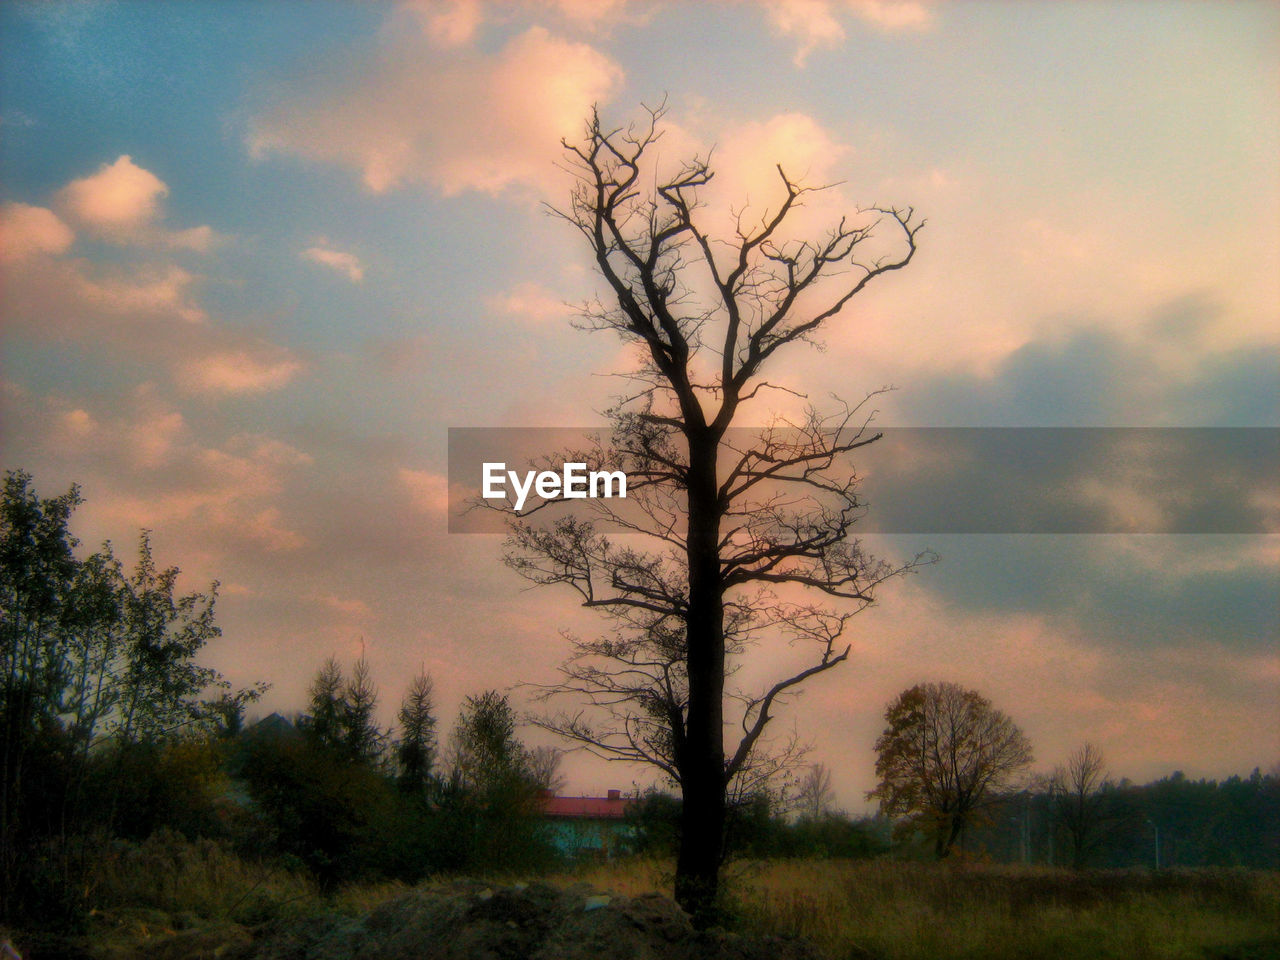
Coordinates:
[1220,480]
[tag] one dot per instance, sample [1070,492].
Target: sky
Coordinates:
[257,258]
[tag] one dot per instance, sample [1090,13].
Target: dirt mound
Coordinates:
[469,921]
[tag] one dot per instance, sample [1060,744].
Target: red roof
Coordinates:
[592,808]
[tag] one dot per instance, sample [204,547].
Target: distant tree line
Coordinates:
[952,776]
[1197,823]
[1191,823]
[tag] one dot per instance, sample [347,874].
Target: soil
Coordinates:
[470,921]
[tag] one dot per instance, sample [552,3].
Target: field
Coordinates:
[913,911]
[850,910]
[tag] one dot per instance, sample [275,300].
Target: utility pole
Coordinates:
[1026,828]
[1157,830]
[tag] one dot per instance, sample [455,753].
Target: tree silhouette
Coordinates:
[1080,804]
[416,750]
[944,755]
[325,705]
[736,524]
[343,711]
[815,795]
[492,782]
[90,657]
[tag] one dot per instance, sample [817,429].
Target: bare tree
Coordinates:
[815,794]
[945,754]
[726,530]
[544,768]
[1078,795]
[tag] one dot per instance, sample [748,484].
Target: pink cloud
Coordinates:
[817,24]
[150,292]
[345,263]
[428,492]
[812,22]
[243,371]
[456,23]
[149,466]
[532,303]
[448,23]
[200,239]
[28,231]
[458,121]
[747,158]
[118,199]
[893,14]
[122,202]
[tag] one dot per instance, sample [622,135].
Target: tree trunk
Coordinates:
[702,770]
[948,832]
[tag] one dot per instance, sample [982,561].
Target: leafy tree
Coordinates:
[486,751]
[737,524]
[945,754]
[37,568]
[162,682]
[90,657]
[493,790]
[317,806]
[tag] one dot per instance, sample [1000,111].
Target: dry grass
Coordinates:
[860,910]
[906,911]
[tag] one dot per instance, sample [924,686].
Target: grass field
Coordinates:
[851,910]
[923,911]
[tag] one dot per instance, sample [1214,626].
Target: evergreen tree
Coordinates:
[416,751]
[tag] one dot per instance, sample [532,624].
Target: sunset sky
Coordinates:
[258,257]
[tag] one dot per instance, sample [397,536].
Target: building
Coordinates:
[589,827]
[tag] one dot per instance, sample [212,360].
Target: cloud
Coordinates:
[143,312]
[817,23]
[149,292]
[457,23]
[428,492]
[152,467]
[139,308]
[892,14]
[1174,365]
[532,303]
[118,200]
[242,371]
[458,120]
[344,263]
[122,203]
[812,22]
[449,23]
[746,162]
[197,239]
[1125,593]
[589,13]
[27,231]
